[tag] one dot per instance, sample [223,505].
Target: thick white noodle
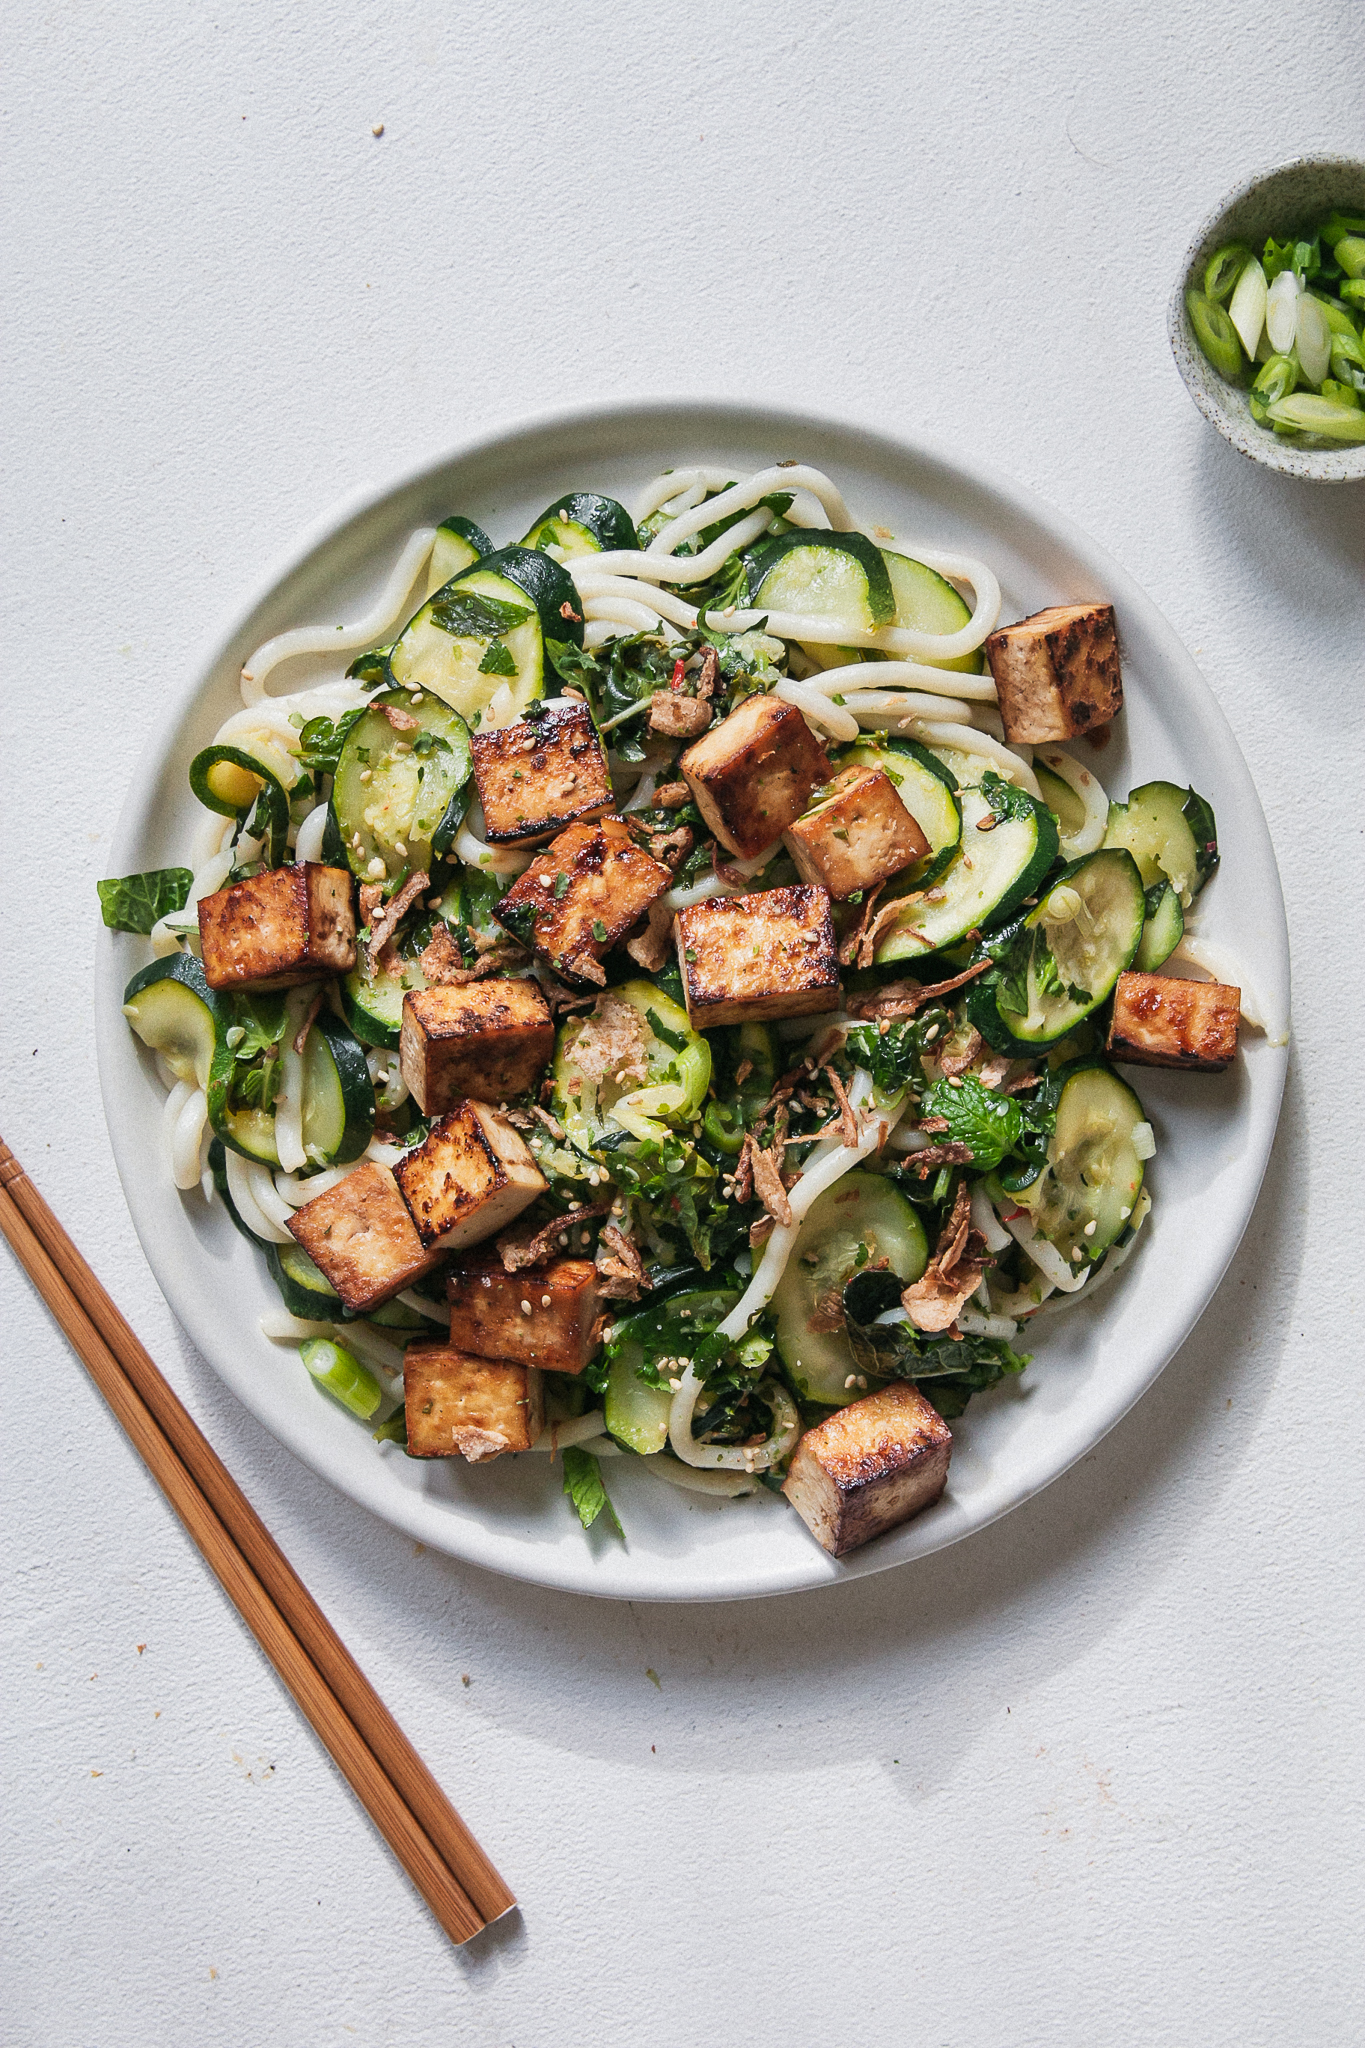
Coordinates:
[289,1098]
[420,1306]
[674,484]
[661,568]
[244,1188]
[894,675]
[597,632]
[987,1222]
[677,899]
[210,836]
[344,639]
[975,1324]
[1045,1256]
[295,1192]
[576,1429]
[181,1093]
[888,710]
[1221,964]
[722,1485]
[596,591]
[493,860]
[619,611]
[731,1457]
[831,718]
[381,1154]
[1091,793]
[934,732]
[740,496]
[308,845]
[642,796]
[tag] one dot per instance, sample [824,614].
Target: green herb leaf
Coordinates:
[583,1484]
[469,615]
[321,741]
[599,931]
[372,669]
[674,1039]
[988,1124]
[561,886]
[520,920]
[133,903]
[498,661]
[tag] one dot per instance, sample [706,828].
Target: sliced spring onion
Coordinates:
[337,1369]
[1215,333]
[1247,310]
[1282,312]
[1312,339]
[1309,414]
[1226,268]
[1275,380]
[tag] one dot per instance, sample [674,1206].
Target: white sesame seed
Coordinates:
[1090,1229]
[526,1308]
[545,1301]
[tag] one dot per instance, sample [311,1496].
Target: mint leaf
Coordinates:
[133,903]
[498,661]
[987,1124]
[321,741]
[583,1484]
[469,615]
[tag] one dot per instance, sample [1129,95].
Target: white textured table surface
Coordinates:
[1094,1774]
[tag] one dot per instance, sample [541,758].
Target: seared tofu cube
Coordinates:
[1160,1021]
[490,1039]
[462,1407]
[1057,673]
[581,896]
[859,835]
[278,929]
[470,1176]
[869,1467]
[752,774]
[543,1316]
[745,958]
[538,775]
[361,1237]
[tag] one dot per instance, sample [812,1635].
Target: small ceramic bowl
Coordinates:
[1271,204]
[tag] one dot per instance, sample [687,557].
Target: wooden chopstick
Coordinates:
[398,1791]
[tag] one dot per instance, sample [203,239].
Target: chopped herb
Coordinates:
[133,903]
[498,661]
[599,931]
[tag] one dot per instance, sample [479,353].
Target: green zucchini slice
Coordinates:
[239,785]
[303,1289]
[929,792]
[1061,799]
[374,1009]
[841,576]
[592,1105]
[862,1220]
[1062,960]
[338,1094]
[1170,833]
[1163,931]
[398,791]
[1004,854]
[174,1011]
[458,545]
[549,586]
[927,603]
[477,646]
[1084,1197]
[582,523]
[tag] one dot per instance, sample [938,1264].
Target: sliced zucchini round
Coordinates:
[591,1103]
[1063,959]
[398,791]
[218,1168]
[303,1289]
[459,544]
[1083,1199]
[1163,931]
[235,783]
[859,1222]
[582,523]
[549,586]
[1155,826]
[338,1094]
[927,603]
[929,792]
[1061,799]
[174,1011]
[839,576]
[374,1009]
[1000,861]
[477,646]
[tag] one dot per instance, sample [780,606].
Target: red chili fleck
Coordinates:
[675,680]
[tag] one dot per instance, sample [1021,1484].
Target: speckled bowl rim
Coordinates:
[1222,405]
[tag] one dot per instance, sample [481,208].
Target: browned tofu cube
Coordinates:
[538,775]
[462,1407]
[1160,1021]
[581,896]
[1057,673]
[278,929]
[752,774]
[543,1316]
[361,1237]
[861,834]
[869,1467]
[490,1039]
[745,958]
[470,1176]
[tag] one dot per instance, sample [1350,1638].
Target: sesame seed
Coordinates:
[526,1308]
[1090,1229]
[545,1301]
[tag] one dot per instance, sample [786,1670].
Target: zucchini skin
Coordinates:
[467,530]
[357,1089]
[549,586]
[609,523]
[982,1008]
[880,596]
[272,792]
[183,967]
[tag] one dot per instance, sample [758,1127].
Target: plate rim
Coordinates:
[412,1513]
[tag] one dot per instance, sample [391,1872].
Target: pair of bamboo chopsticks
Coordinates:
[385,1772]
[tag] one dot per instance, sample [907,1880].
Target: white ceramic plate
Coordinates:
[1090,1363]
